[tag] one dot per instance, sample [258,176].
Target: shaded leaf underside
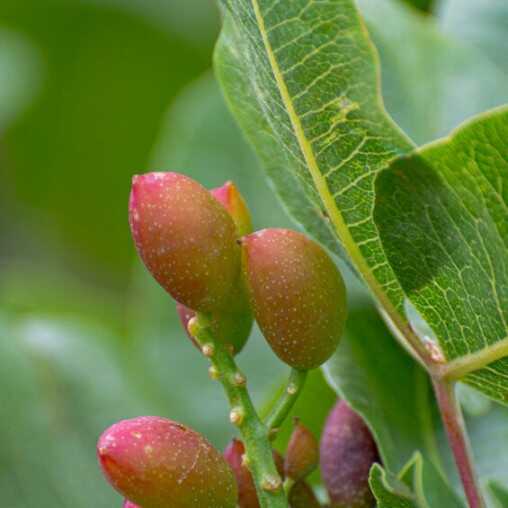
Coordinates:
[302,78]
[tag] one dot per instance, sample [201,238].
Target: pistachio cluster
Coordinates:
[200,247]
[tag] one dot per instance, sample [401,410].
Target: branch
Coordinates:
[259,455]
[286,401]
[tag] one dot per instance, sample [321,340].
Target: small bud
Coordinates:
[236,458]
[213,372]
[297,294]
[231,326]
[271,483]
[236,416]
[186,239]
[302,453]
[301,495]
[347,454]
[130,504]
[158,463]
[239,379]
[208,350]
[229,196]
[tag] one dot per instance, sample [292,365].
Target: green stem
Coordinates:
[259,453]
[287,400]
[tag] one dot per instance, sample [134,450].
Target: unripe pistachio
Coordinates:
[347,454]
[301,495]
[158,463]
[233,201]
[186,239]
[302,454]
[235,456]
[297,294]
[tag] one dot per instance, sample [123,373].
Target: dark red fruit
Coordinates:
[247,496]
[302,454]
[158,463]
[297,294]
[186,239]
[302,496]
[348,451]
[130,504]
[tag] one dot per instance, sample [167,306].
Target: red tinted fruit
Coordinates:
[302,453]
[247,497]
[234,203]
[347,454]
[158,463]
[297,294]
[302,496]
[186,239]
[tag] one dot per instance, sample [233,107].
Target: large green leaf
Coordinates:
[442,216]
[302,79]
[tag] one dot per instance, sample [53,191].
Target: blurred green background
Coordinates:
[92,92]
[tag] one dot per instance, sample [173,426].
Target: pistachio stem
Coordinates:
[453,421]
[286,401]
[243,415]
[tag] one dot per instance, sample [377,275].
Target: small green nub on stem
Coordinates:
[297,294]
[302,454]
[186,239]
[158,463]
[348,451]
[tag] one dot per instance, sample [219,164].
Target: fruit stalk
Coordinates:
[453,421]
[285,403]
[259,456]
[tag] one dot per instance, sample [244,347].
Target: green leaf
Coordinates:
[500,495]
[442,216]
[407,489]
[389,491]
[302,79]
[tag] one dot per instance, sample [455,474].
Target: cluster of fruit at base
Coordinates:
[301,459]
[158,463]
[188,238]
[348,451]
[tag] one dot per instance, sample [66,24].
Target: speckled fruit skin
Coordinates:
[158,463]
[186,239]
[302,496]
[229,196]
[302,453]
[347,454]
[247,497]
[297,294]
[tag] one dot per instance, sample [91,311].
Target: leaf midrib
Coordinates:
[334,213]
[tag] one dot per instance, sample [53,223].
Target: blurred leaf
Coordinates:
[61,386]
[109,75]
[20,75]
[482,24]
[432,79]
[500,494]
[423,5]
